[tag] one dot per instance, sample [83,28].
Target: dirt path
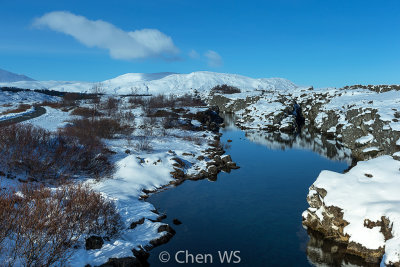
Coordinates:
[39,111]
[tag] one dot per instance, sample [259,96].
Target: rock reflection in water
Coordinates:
[305,140]
[320,251]
[324,252]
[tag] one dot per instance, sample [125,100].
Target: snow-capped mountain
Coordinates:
[162,83]
[6,77]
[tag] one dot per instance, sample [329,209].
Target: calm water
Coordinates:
[255,210]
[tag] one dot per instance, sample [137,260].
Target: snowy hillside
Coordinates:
[8,77]
[165,83]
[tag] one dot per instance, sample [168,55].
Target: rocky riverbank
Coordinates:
[356,209]
[186,165]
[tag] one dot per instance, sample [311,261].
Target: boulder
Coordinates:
[94,242]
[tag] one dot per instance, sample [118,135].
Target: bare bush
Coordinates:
[189,100]
[126,116]
[21,108]
[86,129]
[197,140]
[162,101]
[40,154]
[149,125]
[56,105]
[70,99]
[136,101]
[44,225]
[110,105]
[143,143]
[225,89]
[86,112]
[170,122]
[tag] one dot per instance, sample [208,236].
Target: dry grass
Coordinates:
[19,109]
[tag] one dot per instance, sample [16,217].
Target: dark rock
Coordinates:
[141,255]
[176,222]
[166,228]
[123,262]
[180,162]
[212,169]
[232,165]
[159,218]
[138,222]
[94,242]
[217,160]
[178,174]
[164,238]
[226,159]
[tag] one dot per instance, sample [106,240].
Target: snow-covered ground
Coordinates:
[52,119]
[11,100]
[365,121]
[160,83]
[16,114]
[136,170]
[368,192]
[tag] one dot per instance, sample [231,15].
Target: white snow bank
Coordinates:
[367,197]
[52,119]
[16,115]
[365,139]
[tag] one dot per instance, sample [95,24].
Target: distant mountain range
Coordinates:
[8,77]
[161,83]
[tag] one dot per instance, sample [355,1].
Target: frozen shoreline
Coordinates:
[365,122]
[172,160]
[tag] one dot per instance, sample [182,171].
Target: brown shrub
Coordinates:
[110,105]
[20,108]
[189,100]
[197,140]
[136,101]
[161,101]
[225,89]
[71,99]
[56,105]
[86,112]
[42,226]
[86,129]
[40,154]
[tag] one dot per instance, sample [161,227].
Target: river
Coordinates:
[254,211]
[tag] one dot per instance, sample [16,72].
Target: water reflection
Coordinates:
[320,251]
[256,209]
[306,139]
[323,252]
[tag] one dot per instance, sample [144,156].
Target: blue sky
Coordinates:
[320,43]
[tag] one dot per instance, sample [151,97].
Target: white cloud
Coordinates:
[214,60]
[193,54]
[143,43]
